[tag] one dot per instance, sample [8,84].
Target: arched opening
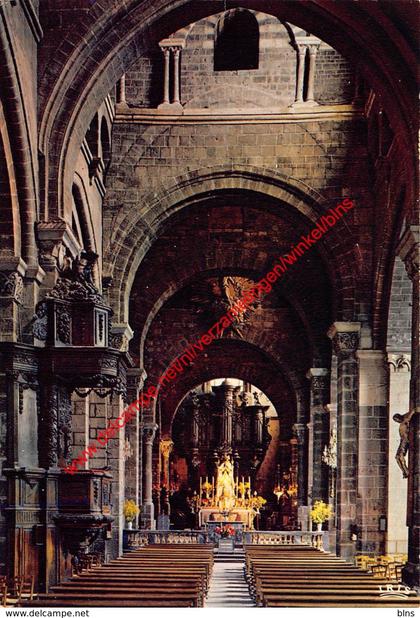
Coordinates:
[236,45]
[229,418]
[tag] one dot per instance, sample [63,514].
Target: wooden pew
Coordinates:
[153,576]
[298,577]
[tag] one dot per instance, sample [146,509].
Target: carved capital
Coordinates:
[172,44]
[320,378]
[120,336]
[166,447]
[57,243]
[149,432]
[345,337]
[399,362]
[135,380]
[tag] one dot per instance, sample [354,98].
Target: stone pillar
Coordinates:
[399,364]
[135,378]
[318,433]
[177,53]
[149,432]
[345,337]
[301,432]
[300,73]
[166,72]
[311,73]
[121,90]
[372,451]
[409,251]
[311,45]
[171,46]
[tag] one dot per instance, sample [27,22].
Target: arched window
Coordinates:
[236,45]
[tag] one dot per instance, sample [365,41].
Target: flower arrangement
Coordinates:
[130,510]
[225,531]
[320,512]
[258,502]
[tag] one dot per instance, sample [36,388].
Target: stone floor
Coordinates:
[228,587]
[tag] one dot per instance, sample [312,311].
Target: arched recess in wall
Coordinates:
[236,43]
[10,227]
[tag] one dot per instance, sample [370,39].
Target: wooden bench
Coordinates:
[284,576]
[152,576]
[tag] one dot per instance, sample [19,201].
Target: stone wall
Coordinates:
[328,155]
[273,84]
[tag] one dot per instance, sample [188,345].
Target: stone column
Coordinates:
[311,73]
[176,52]
[372,451]
[135,378]
[301,432]
[121,90]
[304,44]
[345,337]
[409,251]
[300,73]
[318,433]
[171,46]
[149,432]
[166,72]
[399,364]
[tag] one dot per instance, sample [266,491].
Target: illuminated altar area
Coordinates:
[227,499]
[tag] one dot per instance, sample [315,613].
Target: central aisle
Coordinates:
[228,587]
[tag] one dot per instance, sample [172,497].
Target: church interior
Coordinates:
[156,160]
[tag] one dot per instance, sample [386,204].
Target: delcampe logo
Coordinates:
[391,591]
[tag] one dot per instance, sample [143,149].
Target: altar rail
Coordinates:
[139,538]
[295,537]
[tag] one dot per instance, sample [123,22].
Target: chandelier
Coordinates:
[285,487]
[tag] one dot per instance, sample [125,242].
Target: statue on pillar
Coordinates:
[404,429]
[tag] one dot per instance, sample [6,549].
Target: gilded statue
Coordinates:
[225,490]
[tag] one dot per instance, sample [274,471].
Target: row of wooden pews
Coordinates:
[153,576]
[299,576]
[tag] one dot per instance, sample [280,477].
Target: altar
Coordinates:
[210,515]
[227,500]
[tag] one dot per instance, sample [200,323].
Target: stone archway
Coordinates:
[135,234]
